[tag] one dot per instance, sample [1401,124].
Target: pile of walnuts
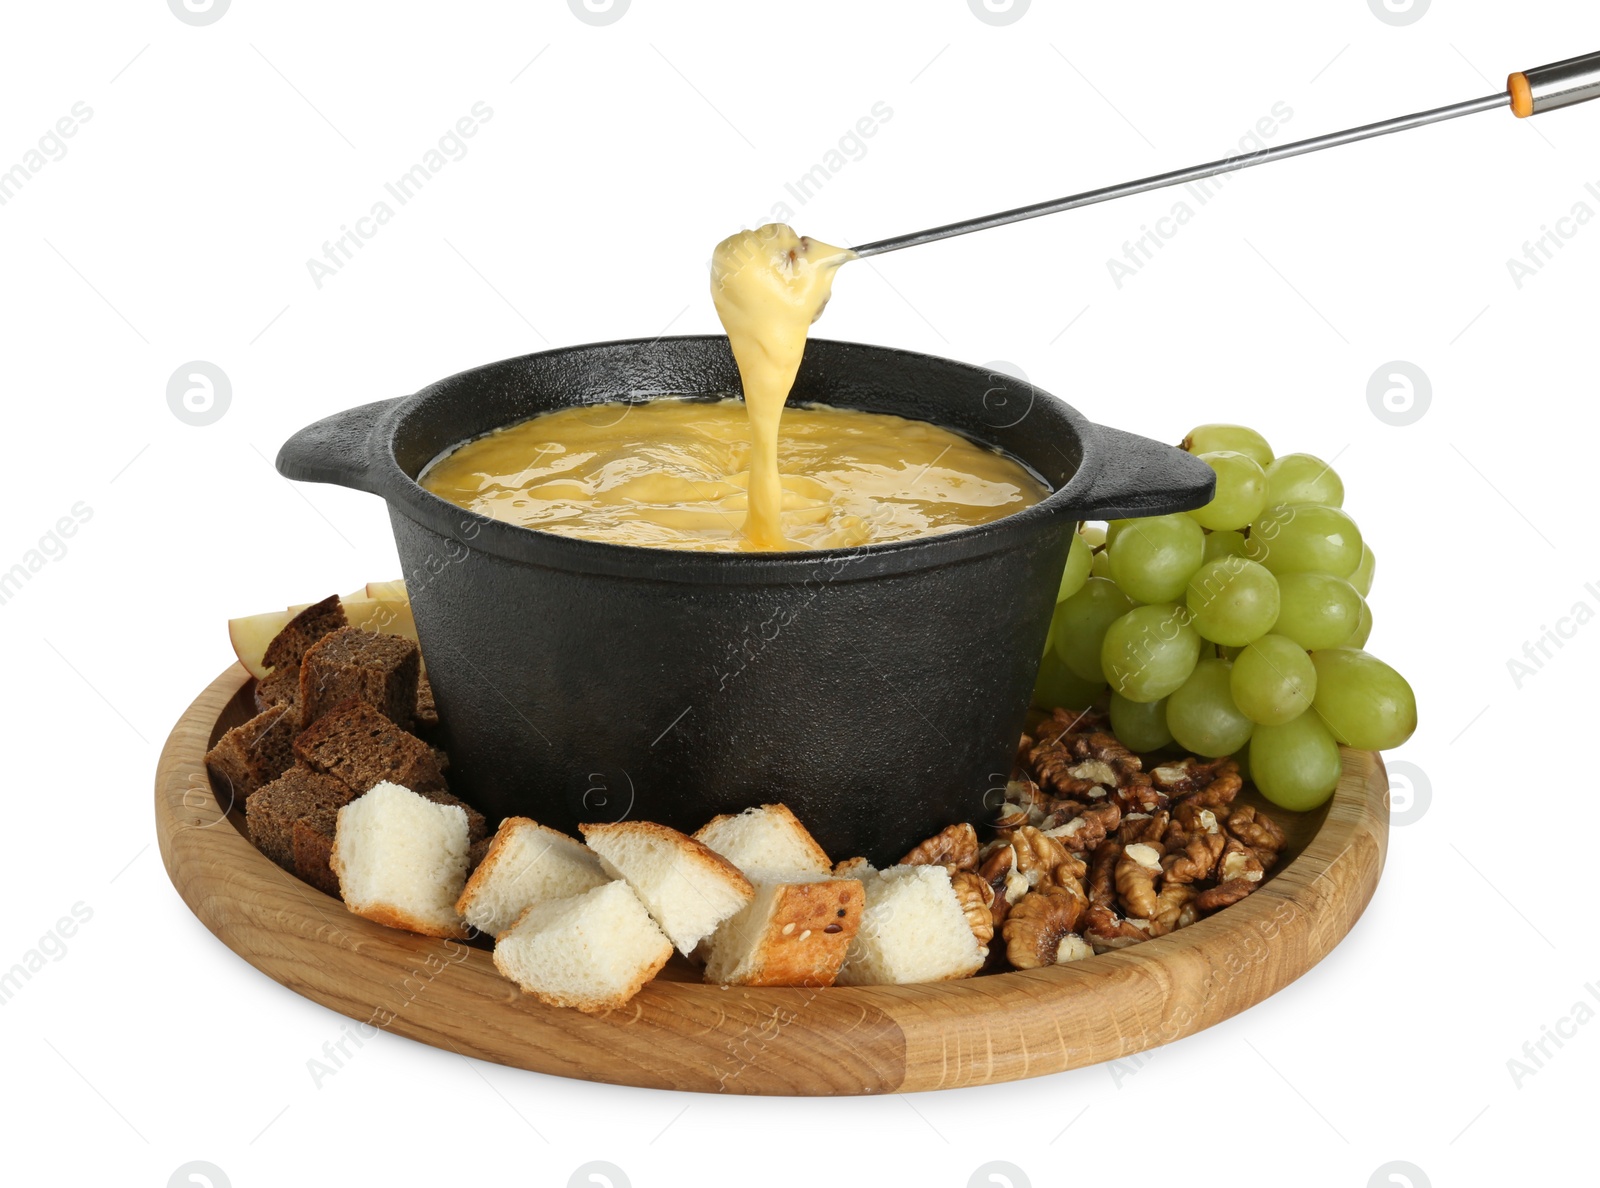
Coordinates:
[1095,853]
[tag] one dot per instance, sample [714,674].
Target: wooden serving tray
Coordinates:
[681,1034]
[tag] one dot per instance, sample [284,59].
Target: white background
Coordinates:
[218,159]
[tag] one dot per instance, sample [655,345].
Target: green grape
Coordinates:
[1242,758]
[1361,579]
[1077,569]
[1114,529]
[1363,632]
[1153,559]
[1295,765]
[1149,652]
[1094,535]
[1100,565]
[1202,716]
[1305,539]
[1301,478]
[1233,601]
[1224,544]
[1274,681]
[1209,439]
[1365,703]
[1318,611]
[1079,625]
[1241,491]
[1059,687]
[1140,725]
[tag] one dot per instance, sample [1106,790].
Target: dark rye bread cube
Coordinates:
[252,755]
[380,670]
[361,748]
[270,814]
[280,688]
[312,843]
[427,711]
[291,644]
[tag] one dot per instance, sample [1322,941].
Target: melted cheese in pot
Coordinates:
[718,475]
[677,474]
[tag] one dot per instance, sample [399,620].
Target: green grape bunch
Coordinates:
[1238,628]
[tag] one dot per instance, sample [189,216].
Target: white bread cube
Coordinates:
[913,930]
[526,864]
[768,844]
[688,887]
[591,952]
[401,860]
[791,934]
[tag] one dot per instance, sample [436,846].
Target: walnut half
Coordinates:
[975,895]
[1258,831]
[1042,929]
[955,848]
[1136,874]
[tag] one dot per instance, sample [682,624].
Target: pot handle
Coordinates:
[1141,477]
[337,449]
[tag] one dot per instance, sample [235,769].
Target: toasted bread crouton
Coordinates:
[790,934]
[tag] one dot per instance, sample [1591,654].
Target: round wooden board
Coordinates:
[681,1034]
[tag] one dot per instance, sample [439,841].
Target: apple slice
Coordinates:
[381,615]
[388,591]
[251,635]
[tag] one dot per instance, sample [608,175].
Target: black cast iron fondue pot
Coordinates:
[879,692]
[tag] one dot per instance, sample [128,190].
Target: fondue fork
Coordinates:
[1527,93]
